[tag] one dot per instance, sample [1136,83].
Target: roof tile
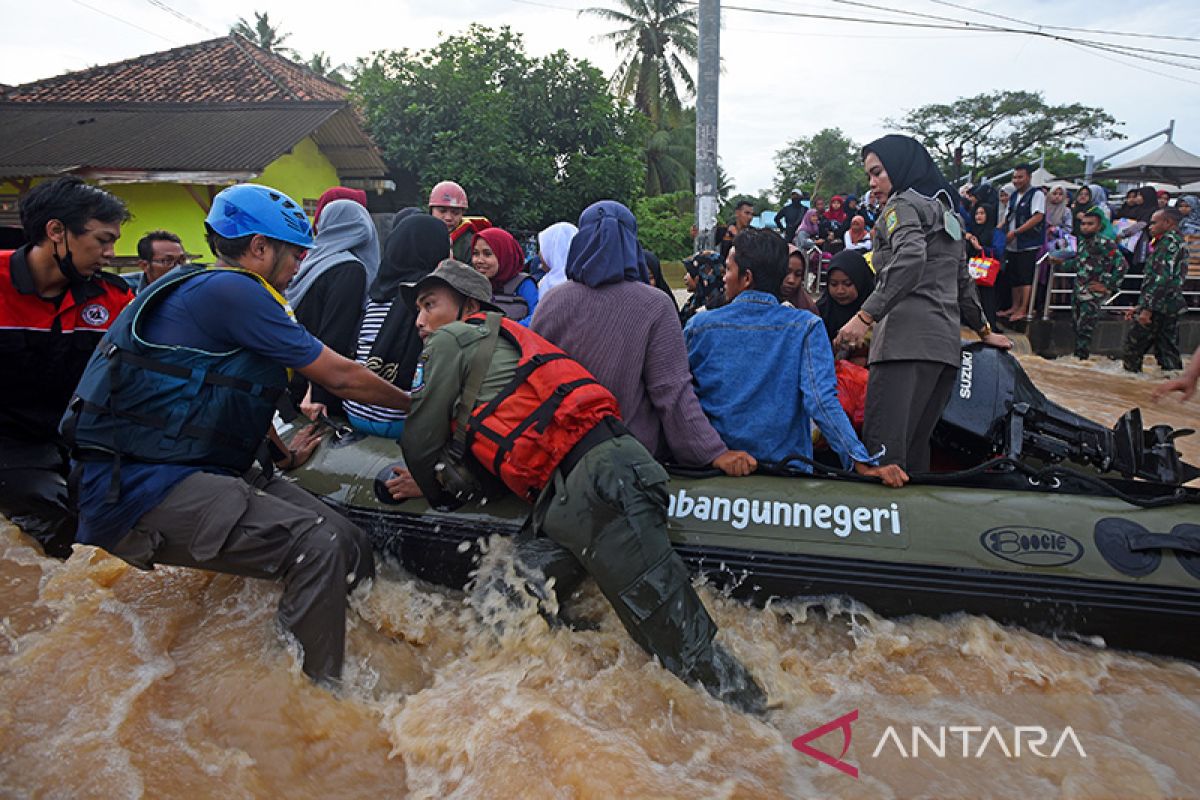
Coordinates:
[226,70]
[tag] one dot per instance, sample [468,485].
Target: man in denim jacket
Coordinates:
[763,370]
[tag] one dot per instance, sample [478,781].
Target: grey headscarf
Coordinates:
[1190,225]
[347,234]
[1100,198]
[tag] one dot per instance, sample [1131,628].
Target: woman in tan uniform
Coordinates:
[922,292]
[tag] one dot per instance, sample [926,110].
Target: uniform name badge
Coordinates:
[953,226]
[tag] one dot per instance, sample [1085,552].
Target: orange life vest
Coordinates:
[522,433]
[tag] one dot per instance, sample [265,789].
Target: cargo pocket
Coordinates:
[652,477]
[655,587]
[138,547]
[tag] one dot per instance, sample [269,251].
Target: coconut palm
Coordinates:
[654,39]
[671,156]
[264,34]
[323,65]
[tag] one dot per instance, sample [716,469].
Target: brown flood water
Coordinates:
[117,683]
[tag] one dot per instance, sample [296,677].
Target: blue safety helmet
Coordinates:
[248,208]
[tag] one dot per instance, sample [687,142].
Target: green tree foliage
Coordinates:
[671,155]
[532,140]
[323,66]
[998,129]
[264,34]
[656,41]
[826,163]
[665,224]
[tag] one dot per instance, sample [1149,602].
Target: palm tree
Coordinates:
[324,66]
[671,156]
[655,38]
[264,34]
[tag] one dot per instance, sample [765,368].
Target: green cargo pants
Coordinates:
[1084,314]
[1162,334]
[610,513]
[608,518]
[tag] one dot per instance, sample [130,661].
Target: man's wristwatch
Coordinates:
[985,331]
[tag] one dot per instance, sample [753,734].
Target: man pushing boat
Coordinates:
[491,400]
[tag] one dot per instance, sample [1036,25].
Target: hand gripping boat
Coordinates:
[1048,521]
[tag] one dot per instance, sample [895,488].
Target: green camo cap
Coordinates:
[465,280]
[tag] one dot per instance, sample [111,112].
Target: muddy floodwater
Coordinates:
[117,683]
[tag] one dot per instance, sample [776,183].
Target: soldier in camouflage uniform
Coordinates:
[1099,268]
[1156,317]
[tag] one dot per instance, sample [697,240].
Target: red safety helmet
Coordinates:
[449,195]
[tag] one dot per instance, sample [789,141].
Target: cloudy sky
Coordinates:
[785,76]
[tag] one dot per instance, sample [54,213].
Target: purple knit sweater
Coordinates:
[628,336]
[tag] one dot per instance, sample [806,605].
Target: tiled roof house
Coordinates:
[166,131]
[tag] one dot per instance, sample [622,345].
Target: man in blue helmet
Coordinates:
[177,399]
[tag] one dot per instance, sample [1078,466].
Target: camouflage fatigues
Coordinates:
[1162,295]
[1097,261]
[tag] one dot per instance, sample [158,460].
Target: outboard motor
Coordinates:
[996,410]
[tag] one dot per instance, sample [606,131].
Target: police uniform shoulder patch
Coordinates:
[418,381]
[890,221]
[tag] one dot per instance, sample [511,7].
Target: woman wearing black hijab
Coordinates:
[657,279]
[388,343]
[985,239]
[922,292]
[848,283]
[1135,238]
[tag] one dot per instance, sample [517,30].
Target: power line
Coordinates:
[180,15]
[958,25]
[1038,32]
[124,21]
[938,22]
[1066,27]
[882,36]
[1137,66]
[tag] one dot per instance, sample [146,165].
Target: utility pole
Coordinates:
[708,78]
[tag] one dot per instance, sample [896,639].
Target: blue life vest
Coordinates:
[172,404]
[1020,213]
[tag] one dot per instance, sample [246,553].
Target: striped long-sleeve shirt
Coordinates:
[372,321]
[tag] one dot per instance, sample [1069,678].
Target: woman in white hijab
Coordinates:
[553,245]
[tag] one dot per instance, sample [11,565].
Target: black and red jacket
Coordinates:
[46,343]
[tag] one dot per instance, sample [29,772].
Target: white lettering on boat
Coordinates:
[740,512]
[964,376]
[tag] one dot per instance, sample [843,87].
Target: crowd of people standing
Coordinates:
[1019,235]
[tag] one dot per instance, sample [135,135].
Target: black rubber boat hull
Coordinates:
[1050,561]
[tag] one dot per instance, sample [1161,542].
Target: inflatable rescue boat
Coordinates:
[1039,518]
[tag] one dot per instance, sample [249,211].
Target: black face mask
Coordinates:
[66,265]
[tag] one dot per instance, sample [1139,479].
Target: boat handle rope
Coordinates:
[1050,476]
